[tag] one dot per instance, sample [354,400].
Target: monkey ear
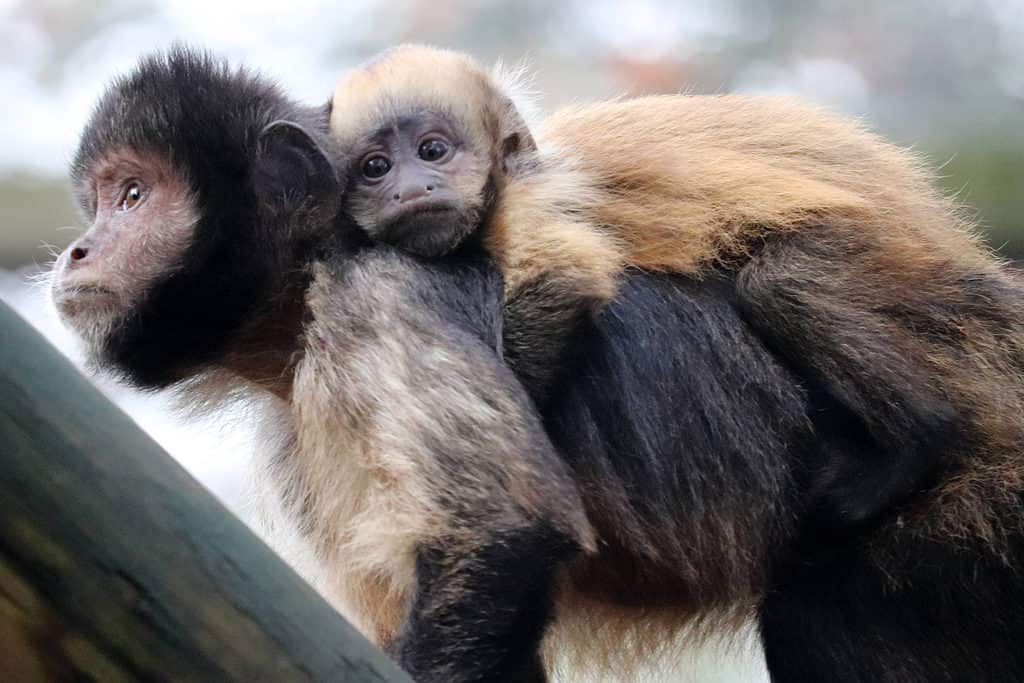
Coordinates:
[292,171]
[516,140]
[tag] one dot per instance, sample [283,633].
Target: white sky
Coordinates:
[303,44]
[51,71]
[42,120]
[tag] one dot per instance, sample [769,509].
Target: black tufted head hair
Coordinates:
[207,121]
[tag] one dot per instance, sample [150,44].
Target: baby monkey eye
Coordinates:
[433,149]
[131,196]
[376,167]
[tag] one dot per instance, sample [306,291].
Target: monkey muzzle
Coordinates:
[428,231]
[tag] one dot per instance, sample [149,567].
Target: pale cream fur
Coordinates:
[366,517]
[394,85]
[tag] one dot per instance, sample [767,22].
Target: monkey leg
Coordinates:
[467,500]
[832,309]
[913,609]
[479,610]
[506,513]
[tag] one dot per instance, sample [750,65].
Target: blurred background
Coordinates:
[945,77]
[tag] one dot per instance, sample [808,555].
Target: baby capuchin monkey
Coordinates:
[441,158]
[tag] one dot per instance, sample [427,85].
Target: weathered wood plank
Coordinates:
[116,565]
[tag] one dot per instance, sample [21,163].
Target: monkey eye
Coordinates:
[131,196]
[433,149]
[376,167]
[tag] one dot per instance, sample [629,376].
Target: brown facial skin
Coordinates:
[143,219]
[418,184]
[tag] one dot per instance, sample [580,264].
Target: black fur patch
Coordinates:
[940,611]
[888,431]
[684,432]
[544,320]
[206,119]
[491,631]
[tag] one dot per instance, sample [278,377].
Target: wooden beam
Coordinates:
[116,565]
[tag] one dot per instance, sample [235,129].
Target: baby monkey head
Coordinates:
[431,139]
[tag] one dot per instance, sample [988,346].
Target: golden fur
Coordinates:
[691,180]
[671,183]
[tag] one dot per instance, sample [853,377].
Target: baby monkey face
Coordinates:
[418,183]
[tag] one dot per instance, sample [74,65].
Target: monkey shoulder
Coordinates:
[379,288]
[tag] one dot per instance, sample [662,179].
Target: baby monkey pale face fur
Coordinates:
[419,183]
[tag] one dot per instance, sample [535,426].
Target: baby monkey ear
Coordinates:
[292,173]
[517,142]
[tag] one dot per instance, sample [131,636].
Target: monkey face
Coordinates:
[143,218]
[419,184]
[202,212]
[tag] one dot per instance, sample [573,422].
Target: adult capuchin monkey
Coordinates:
[826,434]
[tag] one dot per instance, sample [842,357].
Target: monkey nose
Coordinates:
[81,253]
[412,193]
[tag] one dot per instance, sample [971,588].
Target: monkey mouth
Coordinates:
[430,231]
[426,211]
[73,300]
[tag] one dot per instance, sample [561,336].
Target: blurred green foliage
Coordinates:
[986,176]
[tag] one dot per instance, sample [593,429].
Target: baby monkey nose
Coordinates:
[412,192]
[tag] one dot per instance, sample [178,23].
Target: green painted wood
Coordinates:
[116,565]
